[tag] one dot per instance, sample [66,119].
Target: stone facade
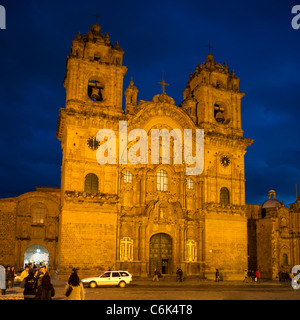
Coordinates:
[116,223]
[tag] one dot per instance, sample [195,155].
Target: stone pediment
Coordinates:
[163,98]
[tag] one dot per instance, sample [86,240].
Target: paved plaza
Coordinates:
[193,289]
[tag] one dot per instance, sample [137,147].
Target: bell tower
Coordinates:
[94,89]
[212,99]
[214,93]
[94,75]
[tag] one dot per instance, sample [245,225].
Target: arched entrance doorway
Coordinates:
[36,254]
[160,253]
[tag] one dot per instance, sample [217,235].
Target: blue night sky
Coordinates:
[255,38]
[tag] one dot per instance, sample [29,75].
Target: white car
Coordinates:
[109,278]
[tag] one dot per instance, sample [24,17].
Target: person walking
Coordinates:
[30,286]
[75,286]
[156,274]
[46,290]
[257,276]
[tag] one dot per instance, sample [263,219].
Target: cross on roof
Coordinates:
[163,84]
[209,47]
[97,17]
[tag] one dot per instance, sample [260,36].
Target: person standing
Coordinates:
[30,286]
[245,276]
[11,276]
[2,280]
[179,274]
[217,275]
[77,291]
[252,276]
[24,273]
[40,274]
[46,290]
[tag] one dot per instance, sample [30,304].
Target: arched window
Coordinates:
[190,183]
[162,180]
[224,196]
[219,113]
[91,183]
[284,259]
[128,177]
[95,90]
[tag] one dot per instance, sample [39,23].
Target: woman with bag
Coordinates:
[74,288]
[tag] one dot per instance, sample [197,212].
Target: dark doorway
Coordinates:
[160,253]
[164,268]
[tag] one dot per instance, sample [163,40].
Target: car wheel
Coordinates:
[122,284]
[93,284]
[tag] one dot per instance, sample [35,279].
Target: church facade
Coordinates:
[141,216]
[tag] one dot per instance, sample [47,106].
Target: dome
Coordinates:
[272,202]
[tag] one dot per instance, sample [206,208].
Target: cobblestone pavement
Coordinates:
[171,290]
[15,293]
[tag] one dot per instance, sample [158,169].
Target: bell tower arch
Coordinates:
[95,72]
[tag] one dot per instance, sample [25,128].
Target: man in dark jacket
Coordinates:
[30,286]
[179,274]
